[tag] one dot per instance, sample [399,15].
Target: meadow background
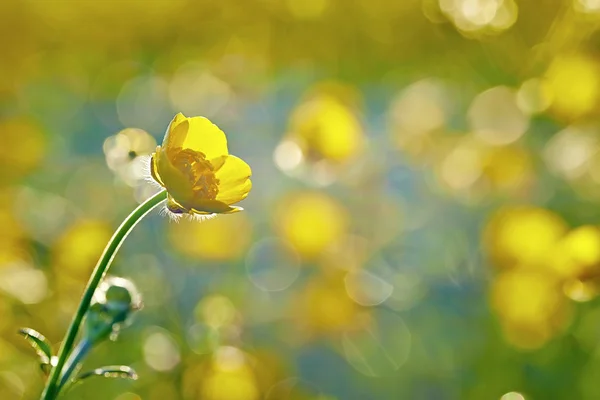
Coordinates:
[423,222]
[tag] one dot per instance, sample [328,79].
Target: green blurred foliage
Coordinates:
[423,222]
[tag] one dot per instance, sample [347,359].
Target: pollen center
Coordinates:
[198,170]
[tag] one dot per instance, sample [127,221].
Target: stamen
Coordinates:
[198,170]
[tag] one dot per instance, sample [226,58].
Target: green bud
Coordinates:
[115,300]
[118,293]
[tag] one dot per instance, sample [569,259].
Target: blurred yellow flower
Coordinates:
[525,296]
[195,167]
[233,374]
[230,377]
[575,85]
[473,168]
[523,236]
[218,239]
[311,222]
[324,307]
[326,127]
[23,148]
[79,247]
[578,253]
[530,305]
[507,168]
[584,244]
[13,240]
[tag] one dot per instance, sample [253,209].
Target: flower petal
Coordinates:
[176,132]
[154,168]
[203,207]
[178,186]
[205,137]
[234,180]
[218,162]
[234,209]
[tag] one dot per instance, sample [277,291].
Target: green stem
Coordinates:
[51,390]
[76,357]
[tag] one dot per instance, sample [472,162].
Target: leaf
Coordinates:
[47,367]
[111,371]
[40,344]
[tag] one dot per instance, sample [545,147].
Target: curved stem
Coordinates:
[51,390]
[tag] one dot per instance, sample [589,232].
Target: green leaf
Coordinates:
[111,371]
[47,367]
[40,344]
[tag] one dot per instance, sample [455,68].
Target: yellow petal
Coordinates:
[206,137]
[234,209]
[174,206]
[218,162]
[198,134]
[154,168]
[203,207]
[178,186]
[174,137]
[178,118]
[234,180]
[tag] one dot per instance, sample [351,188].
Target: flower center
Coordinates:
[198,170]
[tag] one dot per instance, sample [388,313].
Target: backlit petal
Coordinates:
[203,207]
[154,168]
[204,136]
[179,117]
[176,132]
[218,162]
[194,165]
[234,180]
[234,209]
[174,181]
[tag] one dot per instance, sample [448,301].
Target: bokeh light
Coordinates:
[476,15]
[272,264]
[161,353]
[424,218]
[311,222]
[216,239]
[23,150]
[124,149]
[495,117]
[574,82]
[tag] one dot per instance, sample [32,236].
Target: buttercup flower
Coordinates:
[195,167]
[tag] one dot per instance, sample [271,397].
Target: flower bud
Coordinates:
[114,302]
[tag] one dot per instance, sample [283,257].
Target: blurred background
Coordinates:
[424,218]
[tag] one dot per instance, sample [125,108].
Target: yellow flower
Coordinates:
[327,128]
[195,167]
[220,239]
